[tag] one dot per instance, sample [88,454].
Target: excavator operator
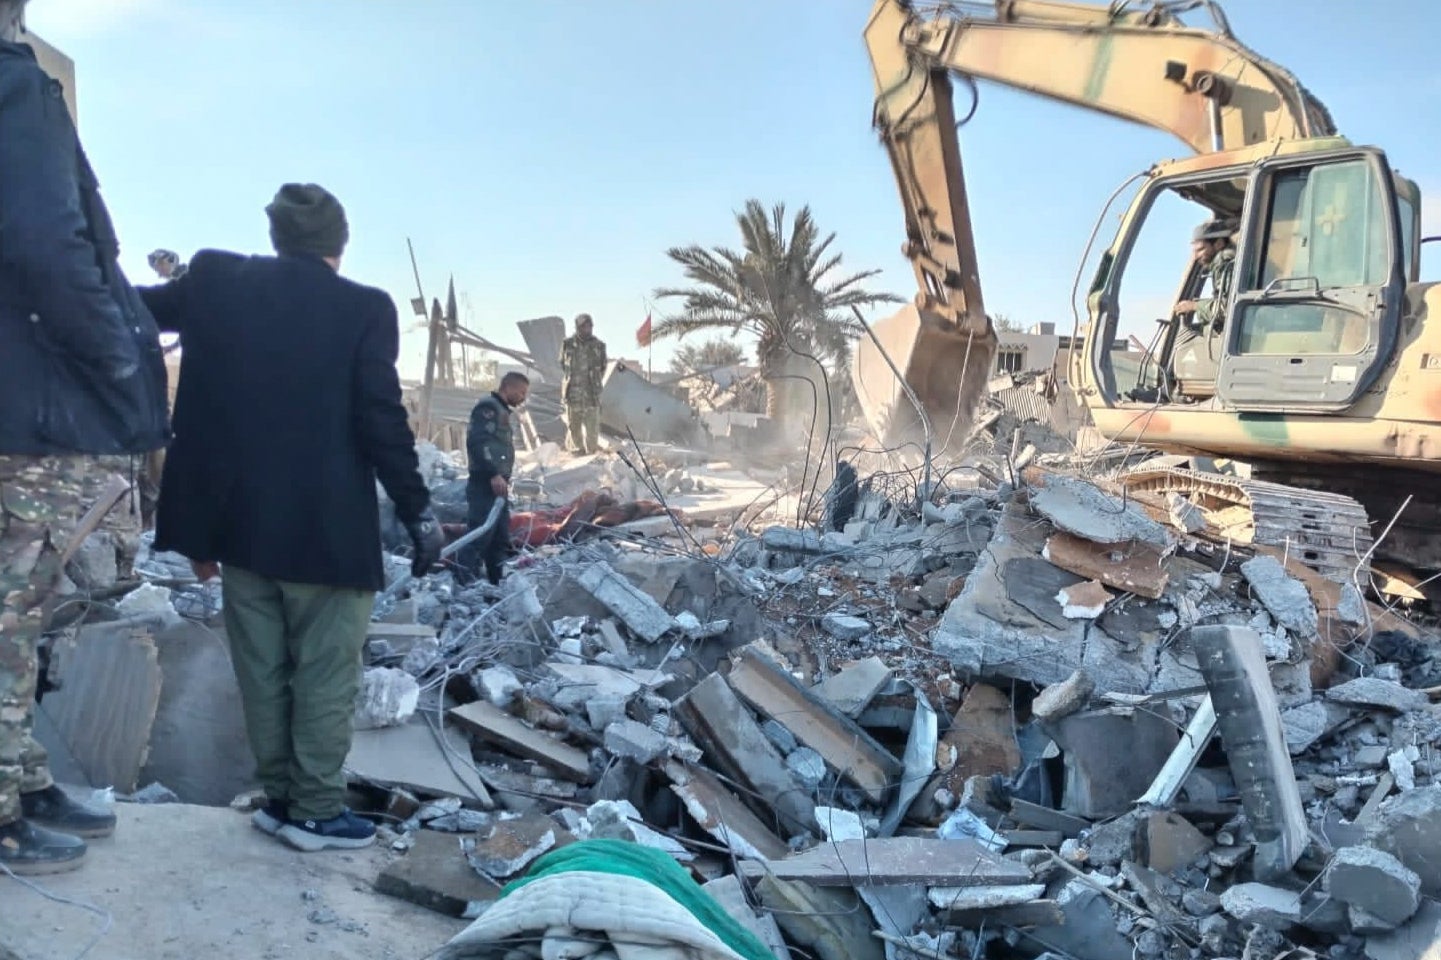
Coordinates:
[1212,248]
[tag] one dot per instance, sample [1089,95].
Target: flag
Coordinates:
[642,336]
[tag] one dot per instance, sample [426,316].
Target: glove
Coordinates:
[429,540]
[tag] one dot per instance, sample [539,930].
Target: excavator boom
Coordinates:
[1141,64]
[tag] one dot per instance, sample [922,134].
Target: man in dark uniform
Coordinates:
[490,444]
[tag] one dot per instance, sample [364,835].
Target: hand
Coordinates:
[499,486]
[1185,306]
[429,540]
[205,569]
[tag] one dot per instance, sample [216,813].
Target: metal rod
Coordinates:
[453,548]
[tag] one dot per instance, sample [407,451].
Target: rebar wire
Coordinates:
[108,919]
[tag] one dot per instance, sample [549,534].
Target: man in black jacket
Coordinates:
[490,447]
[287,411]
[82,391]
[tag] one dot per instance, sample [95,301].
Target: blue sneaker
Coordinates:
[270,818]
[345,832]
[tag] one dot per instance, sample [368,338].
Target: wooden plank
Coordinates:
[895,861]
[1136,567]
[838,739]
[1044,818]
[493,724]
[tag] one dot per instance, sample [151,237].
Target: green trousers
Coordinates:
[584,427]
[297,654]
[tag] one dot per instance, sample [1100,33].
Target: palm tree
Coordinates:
[781,288]
[700,357]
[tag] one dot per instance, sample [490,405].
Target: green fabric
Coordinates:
[297,655]
[656,868]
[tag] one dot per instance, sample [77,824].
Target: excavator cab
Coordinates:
[1325,246]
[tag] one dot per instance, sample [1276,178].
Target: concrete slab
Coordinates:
[184,881]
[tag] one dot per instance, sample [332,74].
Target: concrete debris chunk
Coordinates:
[1081,508]
[1060,700]
[631,605]
[728,892]
[896,861]
[1304,725]
[434,874]
[1250,726]
[1374,881]
[983,898]
[1137,568]
[1408,826]
[1374,692]
[844,627]
[1262,904]
[722,815]
[387,698]
[1284,597]
[627,738]
[1111,757]
[851,690]
[620,820]
[487,722]
[1172,843]
[1419,939]
[1185,515]
[1083,601]
[808,767]
[511,845]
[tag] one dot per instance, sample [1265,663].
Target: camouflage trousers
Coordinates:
[41,501]
[584,426]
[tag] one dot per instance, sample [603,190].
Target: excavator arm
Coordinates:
[1138,63]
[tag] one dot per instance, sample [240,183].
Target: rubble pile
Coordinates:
[1026,720]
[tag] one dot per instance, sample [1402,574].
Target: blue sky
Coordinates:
[547,153]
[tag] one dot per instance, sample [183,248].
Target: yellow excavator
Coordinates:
[1318,369]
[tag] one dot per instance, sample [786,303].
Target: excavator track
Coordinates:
[1328,532]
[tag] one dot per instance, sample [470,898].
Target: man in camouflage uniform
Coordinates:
[582,360]
[490,445]
[82,390]
[1212,248]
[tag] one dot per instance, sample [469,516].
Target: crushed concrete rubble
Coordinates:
[1030,718]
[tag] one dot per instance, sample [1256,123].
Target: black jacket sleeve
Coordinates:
[478,440]
[167,303]
[382,423]
[43,237]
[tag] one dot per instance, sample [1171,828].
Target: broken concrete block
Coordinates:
[604,711]
[1304,725]
[1250,724]
[1374,692]
[728,734]
[838,824]
[844,746]
[149,601]
[1403,768]
[728,892]
[1111,757]
[413,757]
[635,608]
[1185,515]
[853,688]
[1171,843]
[983,898]
[582,682]
[1419,939]
[1114,841]
[1083,601]
[1089,931]
[981,740]
[515,841]
[434,874]
[1374,881]
[723,816]
[638,742]
[387,698]
[895,861]
[1062,699]
[1083,509]
[1283,596]
[808,767]
[1262,904]
[826,922]
[94,566]
[845,627]
[620,820]
[1408,826]
[789,540]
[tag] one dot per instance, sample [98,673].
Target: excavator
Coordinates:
[1319,371]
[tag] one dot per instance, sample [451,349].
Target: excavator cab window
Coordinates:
[1314,305]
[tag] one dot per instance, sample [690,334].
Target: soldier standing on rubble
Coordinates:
[490,446]
[582,360]
[287,413]
[82,390]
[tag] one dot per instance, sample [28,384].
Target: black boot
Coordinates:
[56,809]
[26,849]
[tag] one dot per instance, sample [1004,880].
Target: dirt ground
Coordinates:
[185,881]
